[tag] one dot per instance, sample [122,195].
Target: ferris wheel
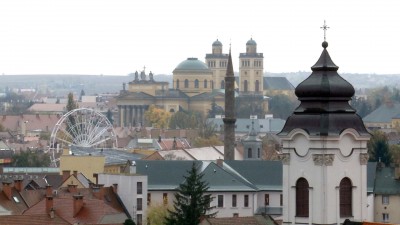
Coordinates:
[83,127]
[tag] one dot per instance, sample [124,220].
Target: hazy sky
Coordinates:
[117,37]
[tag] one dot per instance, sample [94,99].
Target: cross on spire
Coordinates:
[325,27]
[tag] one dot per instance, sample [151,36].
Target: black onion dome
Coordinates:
[324,102]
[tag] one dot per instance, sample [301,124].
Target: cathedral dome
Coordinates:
[217,43]
[251,42]
[192,64]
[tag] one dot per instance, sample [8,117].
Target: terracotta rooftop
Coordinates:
[31,220]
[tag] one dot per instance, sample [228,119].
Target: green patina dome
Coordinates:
[192,64]
[251,42]
[217,43]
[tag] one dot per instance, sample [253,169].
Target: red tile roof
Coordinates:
[31,220]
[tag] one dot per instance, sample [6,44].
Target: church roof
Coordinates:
[192,64]
[277,83]
[324,109]
[383,114]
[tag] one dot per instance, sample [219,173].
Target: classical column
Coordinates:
[130,115]
[120,115]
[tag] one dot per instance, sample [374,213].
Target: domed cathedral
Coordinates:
[217,62]
[324,151]
[193,77]
[251,69]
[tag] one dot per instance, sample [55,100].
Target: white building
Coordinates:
[324,152]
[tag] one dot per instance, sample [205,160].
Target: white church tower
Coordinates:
[324,152]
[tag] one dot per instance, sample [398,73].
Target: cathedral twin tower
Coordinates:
[251,67]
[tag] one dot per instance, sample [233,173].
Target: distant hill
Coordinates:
[61,84]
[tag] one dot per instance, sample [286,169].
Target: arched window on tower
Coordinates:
[196,83]
[302,197]
[257,86]
[205,83]
[177,84]
[222,84]
[249,153]
[345,192]
[245,86]
[186,83]
[258,153]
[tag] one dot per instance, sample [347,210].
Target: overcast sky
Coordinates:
[117,37]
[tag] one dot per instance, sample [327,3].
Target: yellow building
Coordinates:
[85,164]
[195,85]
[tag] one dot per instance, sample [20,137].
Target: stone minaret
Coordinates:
[229,120]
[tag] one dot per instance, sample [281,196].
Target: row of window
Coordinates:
[245,86]
[196,83]
[302,197]
[212,64]
[256,63]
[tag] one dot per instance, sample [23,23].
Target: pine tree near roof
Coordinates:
[191,203]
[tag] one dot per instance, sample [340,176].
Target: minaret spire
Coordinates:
[229,120]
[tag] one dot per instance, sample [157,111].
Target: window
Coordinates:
[212,84]
[281,200]
[258,153]
[249,153]
[205,84]
[236,215]
[177,84]
[148,198]
[222,84]
[345,192]
[139,204]
[165,198]
[196,83]
[385,199]
[302,198]
[385,217]
[257,85]
[220,201]
[139,187]
[245,86]
[139,219]
[266,199]
[233,200]
[186,83]
[246,200]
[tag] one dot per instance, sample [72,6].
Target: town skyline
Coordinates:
[118,38]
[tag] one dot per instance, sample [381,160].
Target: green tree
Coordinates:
[129,222]
[109,116]
[281,106]
[378,148]
[71,105]
[190,202]
[249,105]
[395,152]
[31,159]
[215,110]
[185,120]
[157,117]
[156,214]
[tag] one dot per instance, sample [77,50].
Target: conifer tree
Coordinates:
[191,203]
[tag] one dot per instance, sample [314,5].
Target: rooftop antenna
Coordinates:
[325,27]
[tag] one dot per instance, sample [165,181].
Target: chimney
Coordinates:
[72,188]
[220,162]
[18,184]
[96,177]
[49,204]
[159,138]
[7,189]
[4,117]
[49,190]
[77,204]
[75,173]
[98,191]
[52,213]
[132,168]
[37,116]
[65,174]
[115,188]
